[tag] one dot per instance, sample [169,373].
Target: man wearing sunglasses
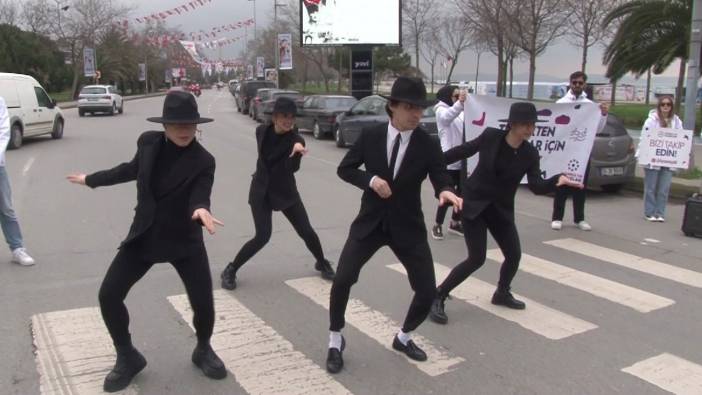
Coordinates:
[576,93]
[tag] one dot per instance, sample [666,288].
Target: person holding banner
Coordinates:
[576,94]
[505,157]
[657,179]
[449,122]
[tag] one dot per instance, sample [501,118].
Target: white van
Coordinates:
[32,112]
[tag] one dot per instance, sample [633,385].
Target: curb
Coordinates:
[73,104]
[677,191]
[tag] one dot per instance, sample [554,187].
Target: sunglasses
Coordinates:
[666,104]
[577,83]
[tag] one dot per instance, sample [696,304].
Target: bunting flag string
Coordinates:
[163,40]
[222,42]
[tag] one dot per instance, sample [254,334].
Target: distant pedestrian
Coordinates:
[449,122]
[657,179]
[576,93]
[8,218]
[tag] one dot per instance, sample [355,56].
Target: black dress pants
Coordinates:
[559,203]
[441,211]
[263,222]
[475,231]
[416,259]
[129,266]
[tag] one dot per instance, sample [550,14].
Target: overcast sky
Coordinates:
[558,61]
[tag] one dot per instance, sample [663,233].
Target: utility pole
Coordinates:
[693,72]
[276,50]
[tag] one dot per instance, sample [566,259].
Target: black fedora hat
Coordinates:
[180,107]
[522,112]
[284,105]
[410,90]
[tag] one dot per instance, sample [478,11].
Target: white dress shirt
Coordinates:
[404,142]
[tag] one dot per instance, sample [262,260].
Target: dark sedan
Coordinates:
[369,112]
[612,161]
[318,113]
[266,107]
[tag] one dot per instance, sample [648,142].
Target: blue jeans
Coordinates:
[656,187]
[8,219]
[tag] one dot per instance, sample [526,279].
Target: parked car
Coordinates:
[32,112]
[318,113]
[369,112]
[247,92]
[233,84]
[612,159]
[264,115]
[261,95]
[194,88]
[100,98]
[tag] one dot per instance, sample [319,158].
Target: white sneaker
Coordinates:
[582,225]
[651,218]
[556,225]
[660,218]
[20,256]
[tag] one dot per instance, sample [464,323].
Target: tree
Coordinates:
[585,28]
[418,20]
[535,25]
[9,12]
[430,51]
[456,38]
[391,62]
[652,34]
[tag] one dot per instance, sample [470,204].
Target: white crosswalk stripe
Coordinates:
[74,352]
[644,265]
[671,373]
[377,326]
[262,361]
[537,318]
[625,295]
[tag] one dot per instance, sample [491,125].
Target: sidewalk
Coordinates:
[73,104]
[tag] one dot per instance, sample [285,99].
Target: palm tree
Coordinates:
[651,35]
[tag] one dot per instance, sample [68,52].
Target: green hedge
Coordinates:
[634,115]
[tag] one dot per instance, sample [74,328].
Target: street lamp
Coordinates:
[60,8]
[276,50]
[254,14]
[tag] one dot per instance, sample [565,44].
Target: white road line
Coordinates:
[74,352]
[377,326]
[634,298]
[670,373]
[649,266]
[262,361]
[540,319]
[28,166]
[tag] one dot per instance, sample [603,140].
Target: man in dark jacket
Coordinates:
[174,176]
[397,158]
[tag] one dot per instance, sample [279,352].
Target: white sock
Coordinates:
[335,340]
[403,337]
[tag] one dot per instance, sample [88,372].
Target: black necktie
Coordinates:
[393,157]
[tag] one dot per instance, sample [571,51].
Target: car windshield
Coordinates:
[429,112]
[339,102]
[93,90]
[293,96]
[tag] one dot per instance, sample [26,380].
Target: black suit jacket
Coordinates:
[276,184]
[168,220]
[484,187]
[401,215]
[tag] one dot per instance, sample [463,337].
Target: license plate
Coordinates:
[612,171]
[93,99]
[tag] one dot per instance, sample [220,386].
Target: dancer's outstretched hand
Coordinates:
[78,178]
[448,197]
[563,180]
[208,221]
[298,148]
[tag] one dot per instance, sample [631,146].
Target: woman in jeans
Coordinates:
[657,179]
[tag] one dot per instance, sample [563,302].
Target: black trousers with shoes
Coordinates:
[129,266]
[475,231]
[441,211]
[416,259]
[559,201]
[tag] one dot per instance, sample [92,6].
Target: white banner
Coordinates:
[249,72]
[89,62]
[271,75]
[564,141]
[142,71]
[666,148]
[285,51]
[260,66]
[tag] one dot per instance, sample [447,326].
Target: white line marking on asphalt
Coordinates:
[670,373]
[634,298]
[377,326]
[262,361]
[540,319]
[28,166]
[74,352]
[652,241]
[649,266]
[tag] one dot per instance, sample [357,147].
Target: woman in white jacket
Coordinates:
[657,179]
[449,122]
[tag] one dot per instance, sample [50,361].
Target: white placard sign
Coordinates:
[665,147]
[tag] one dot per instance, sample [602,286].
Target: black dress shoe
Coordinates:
[205,358]
[437,313]
[325,268]
[505,298]
[335,359]
[129,363]
[228,277]
[411,349]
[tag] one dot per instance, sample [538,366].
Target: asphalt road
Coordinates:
[615,310]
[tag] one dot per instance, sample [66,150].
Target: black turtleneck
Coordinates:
[168,154]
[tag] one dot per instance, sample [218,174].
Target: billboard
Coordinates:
[260,65]
[285,51]
[350,22]
[89,62]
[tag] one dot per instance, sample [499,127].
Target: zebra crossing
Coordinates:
[74,351]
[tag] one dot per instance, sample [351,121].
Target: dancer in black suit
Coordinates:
[273,188]
[488,201]
[397,158]
[174,176]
